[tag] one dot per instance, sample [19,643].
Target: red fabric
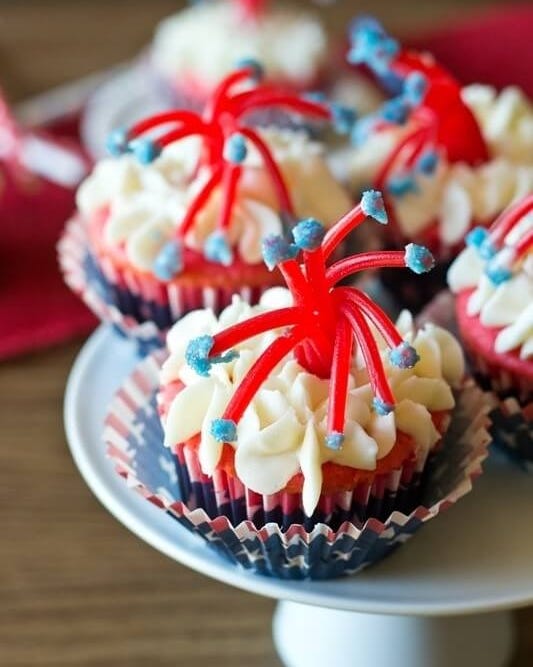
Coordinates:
[37,309]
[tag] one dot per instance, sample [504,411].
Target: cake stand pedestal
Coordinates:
[442,599]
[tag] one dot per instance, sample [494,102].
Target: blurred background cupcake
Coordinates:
[447,158]
[175,220]
[199,45]
[493,283]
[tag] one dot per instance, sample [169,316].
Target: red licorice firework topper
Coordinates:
[225,137]
[428,96]
[490,243]
[326,324]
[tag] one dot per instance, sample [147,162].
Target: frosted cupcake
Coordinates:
[197,47]
[175,220]
[311,407]
[493,281]
[447,158]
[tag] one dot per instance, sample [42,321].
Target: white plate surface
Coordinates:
[478,556]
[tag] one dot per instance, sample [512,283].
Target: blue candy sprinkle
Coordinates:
[235,149]
[427,163]
[362,129]
[343,118]
[169,261]
[197,355]
[372,46]
[335,440]
[498,274]
[117,142]
[224,430]
[308,234]
[381,407]
[145,150]
[395,111]
[402,184]
[414,88]
[404,356]
[372,205]
[477,237]
[254,65]
[418,258]
[217,248]
[276,249]
[487,250]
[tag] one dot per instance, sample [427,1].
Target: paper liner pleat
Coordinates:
[134,440]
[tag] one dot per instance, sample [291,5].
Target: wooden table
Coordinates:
[76,588]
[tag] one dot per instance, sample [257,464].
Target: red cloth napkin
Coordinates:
[37,309]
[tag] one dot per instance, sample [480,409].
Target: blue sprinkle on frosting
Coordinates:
[117,142]
[217,249]
[381,407]
[414,88]
[276,249]
[254,65]
[235,149]
[418,258]
[197,355]
[308,234]
[498,274]
[372,205]
[395,111]
[372,46]
[343,118]
[224,430]
[401,184]
[487,250]
[334,441]
[404,356]
[476,237]
[169,261]
[427,162]
[145,150]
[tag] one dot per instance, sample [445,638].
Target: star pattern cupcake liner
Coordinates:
[134,440]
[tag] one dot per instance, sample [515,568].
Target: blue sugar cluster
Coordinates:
[496,270]
[371,45]
[418,258]
[197,355]
[254,65]
[308,234]
[335,441]
[145,150]
[169,261]
[372,205]
[404,356]
[343,118]
[381,407]
[403,183]
[224,430]
[276,249]
[235,149]
[217,249]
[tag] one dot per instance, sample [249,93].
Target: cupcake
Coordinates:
[197,47]
[493,283]
[175,219]
[310,407]
[447,158]
[306,436]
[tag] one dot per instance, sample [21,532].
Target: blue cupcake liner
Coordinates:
[134,439]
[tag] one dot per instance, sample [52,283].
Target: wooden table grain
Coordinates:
[76,588]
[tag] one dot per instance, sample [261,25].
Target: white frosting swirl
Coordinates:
[455,195]
[283,430]
[147,203]
[206,40]
[509,305]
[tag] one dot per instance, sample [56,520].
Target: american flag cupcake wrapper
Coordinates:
[134,440]
[136,309]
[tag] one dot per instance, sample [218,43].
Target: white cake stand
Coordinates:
[442,599]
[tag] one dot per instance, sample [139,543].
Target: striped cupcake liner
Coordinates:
[134,438]
[137,309]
